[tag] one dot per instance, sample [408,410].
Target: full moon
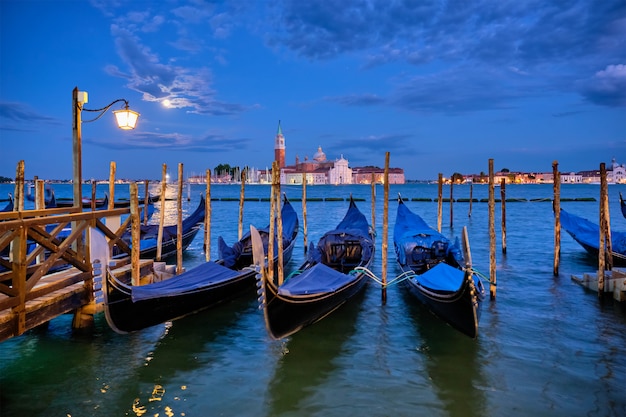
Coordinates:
[166,103]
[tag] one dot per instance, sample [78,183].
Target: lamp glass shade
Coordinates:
[126,119]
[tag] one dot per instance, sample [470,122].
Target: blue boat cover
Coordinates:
[588,233]
[229,254]
[204,275]
[315,280]
[442,277]
[411,230]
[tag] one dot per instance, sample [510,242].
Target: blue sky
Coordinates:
[443,86]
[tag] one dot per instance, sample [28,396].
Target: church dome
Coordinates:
[319,156]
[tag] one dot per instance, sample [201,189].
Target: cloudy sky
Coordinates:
[443,86]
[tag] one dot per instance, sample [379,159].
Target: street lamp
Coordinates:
[126,119]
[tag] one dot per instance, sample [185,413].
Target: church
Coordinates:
[320,170]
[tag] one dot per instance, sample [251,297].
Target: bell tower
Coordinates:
[279,147]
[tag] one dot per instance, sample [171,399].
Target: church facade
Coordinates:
[320,170]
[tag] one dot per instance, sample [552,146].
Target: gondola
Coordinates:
[622,205]
[324,282]
[49,198]
[240,254]
[436,273]
[9,206]
[129,308]
[587,235]
[149,235]
[100,203]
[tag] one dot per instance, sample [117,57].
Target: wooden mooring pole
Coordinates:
[373,185]
[556,207]
[270,243]
[439,201]
[161,212]
[469,213]
[146,201]
[135,233]
[112,169]
[451,204]
[207,218]
[179,228]
[304,225]
[385,229]
[241,200]
[503,206]
[279,234]
[492,233]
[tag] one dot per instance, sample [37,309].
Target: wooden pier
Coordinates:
[31,294]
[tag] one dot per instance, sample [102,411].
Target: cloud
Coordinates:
[174,142]
[358,100]
[184,86]
[606,87]
[18,117]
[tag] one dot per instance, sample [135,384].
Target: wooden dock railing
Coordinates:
[31,293]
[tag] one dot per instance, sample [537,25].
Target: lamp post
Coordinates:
[126,119]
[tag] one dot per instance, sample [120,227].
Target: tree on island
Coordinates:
[457,178]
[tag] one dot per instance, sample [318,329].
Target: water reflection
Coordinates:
[309,359]
[188,344]
[452,362]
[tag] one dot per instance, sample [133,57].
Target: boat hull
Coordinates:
[124,315]
[460,309]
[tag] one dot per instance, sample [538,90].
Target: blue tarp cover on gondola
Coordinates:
[441,277]
[229,254]
[411,229]
[317,279]
[201,276]
[588,233]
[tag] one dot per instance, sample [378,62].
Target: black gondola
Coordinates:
[129,308]
[324,282]
[435,272]
[149,235]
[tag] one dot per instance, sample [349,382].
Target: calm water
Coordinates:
[546,346]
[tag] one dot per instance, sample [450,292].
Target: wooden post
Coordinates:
[304,225]
[607,229]
[241,199]
[135,233]
[161,213]
[492,234]
[373,183]
[146,201]
[469,213]
[279,236]
[556,207]
[602,246]
[451,201]
[40,204]
[270,242]
[207,218]
[93,195]
[439,202]
[18,200]
[503,206]
[385,228]
[112,168]
[179,229]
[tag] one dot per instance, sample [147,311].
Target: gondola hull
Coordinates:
[329,278]
[125,315]
[587,235]
[435,277]
[285,316]
[460,309]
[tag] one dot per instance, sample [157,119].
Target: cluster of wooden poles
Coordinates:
[605,262]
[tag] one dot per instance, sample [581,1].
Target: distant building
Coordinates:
[279,147]
[363,175]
